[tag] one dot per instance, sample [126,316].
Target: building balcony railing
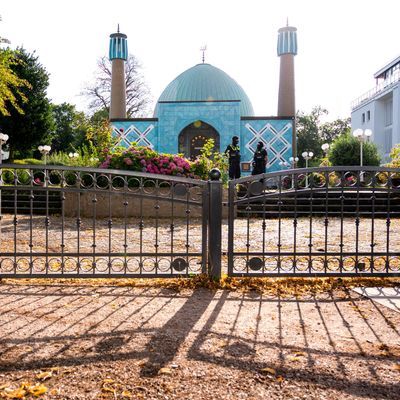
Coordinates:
[381,87]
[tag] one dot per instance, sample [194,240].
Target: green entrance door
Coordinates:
[193,137]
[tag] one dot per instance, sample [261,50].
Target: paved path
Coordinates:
[389,297]
[109,342]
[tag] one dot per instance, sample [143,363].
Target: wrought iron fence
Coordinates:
[338,221]
[67,222]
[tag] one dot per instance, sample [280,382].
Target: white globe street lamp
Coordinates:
[325,148]
[293,161]
[307,155]
[284,164]
[3,140]
[44,150]
[362,136]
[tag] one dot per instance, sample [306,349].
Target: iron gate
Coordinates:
[67,222]
[336,221]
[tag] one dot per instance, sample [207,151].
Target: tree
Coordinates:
[71,128]
[329,131]
[308,135]
[312,133]
[34,126]
[10,83]
[137,93]
[345,150]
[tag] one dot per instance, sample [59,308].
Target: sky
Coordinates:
[341,44]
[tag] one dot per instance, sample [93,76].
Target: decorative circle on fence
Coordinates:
[256,188]
[255,263]
[180,190]
[179,264]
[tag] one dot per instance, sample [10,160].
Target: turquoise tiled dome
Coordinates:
[204,82]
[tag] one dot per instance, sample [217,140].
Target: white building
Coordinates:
[379,109]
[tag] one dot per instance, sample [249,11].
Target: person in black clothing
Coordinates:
[233,153]
[260,160]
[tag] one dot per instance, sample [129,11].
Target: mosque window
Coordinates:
[363,118]
[368,115]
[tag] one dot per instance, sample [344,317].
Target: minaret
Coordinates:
[118,54]
[287,49]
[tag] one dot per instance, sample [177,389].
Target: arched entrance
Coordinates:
[193,137]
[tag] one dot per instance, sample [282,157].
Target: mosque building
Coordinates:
[204,102]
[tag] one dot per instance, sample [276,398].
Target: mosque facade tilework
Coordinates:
[162,133]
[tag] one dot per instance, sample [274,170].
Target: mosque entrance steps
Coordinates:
[321,203]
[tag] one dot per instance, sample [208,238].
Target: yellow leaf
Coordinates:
[300,354]
[108,380]
[127,394]
[268,371]
[279,378]
[37,390]
[396,367]
[44,375]
[293,359]
[53,392]
[15,394]
[165,371]
[107,389]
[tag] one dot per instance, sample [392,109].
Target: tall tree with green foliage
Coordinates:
[10,83]
[35,125]
[312,133]
[308,134]
[71,128]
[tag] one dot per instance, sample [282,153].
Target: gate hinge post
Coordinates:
[214,224]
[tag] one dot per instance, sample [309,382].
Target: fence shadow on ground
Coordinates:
[338,341]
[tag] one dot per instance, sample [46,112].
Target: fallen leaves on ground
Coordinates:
[165,371]
[25,389]
[268,370]
[271,286]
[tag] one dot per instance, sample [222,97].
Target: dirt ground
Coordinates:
[109,342]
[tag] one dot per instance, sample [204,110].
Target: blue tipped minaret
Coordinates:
[287,40]
[118,54]
[287,49]
[118,46]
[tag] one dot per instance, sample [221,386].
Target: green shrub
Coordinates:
[345,150]
[208,160]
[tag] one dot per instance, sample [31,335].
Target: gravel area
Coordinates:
[187,236]
[75,341]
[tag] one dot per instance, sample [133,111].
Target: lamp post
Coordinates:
[362,136]
[44,150]
[293,161]
[284,164]
[325,148]
[307,155]
[3,140]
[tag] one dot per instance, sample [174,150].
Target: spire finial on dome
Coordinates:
[203,49]
[287,21]
[118,28]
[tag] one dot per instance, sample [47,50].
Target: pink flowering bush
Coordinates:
[144,159]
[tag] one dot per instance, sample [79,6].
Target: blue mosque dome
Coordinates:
[204,82]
